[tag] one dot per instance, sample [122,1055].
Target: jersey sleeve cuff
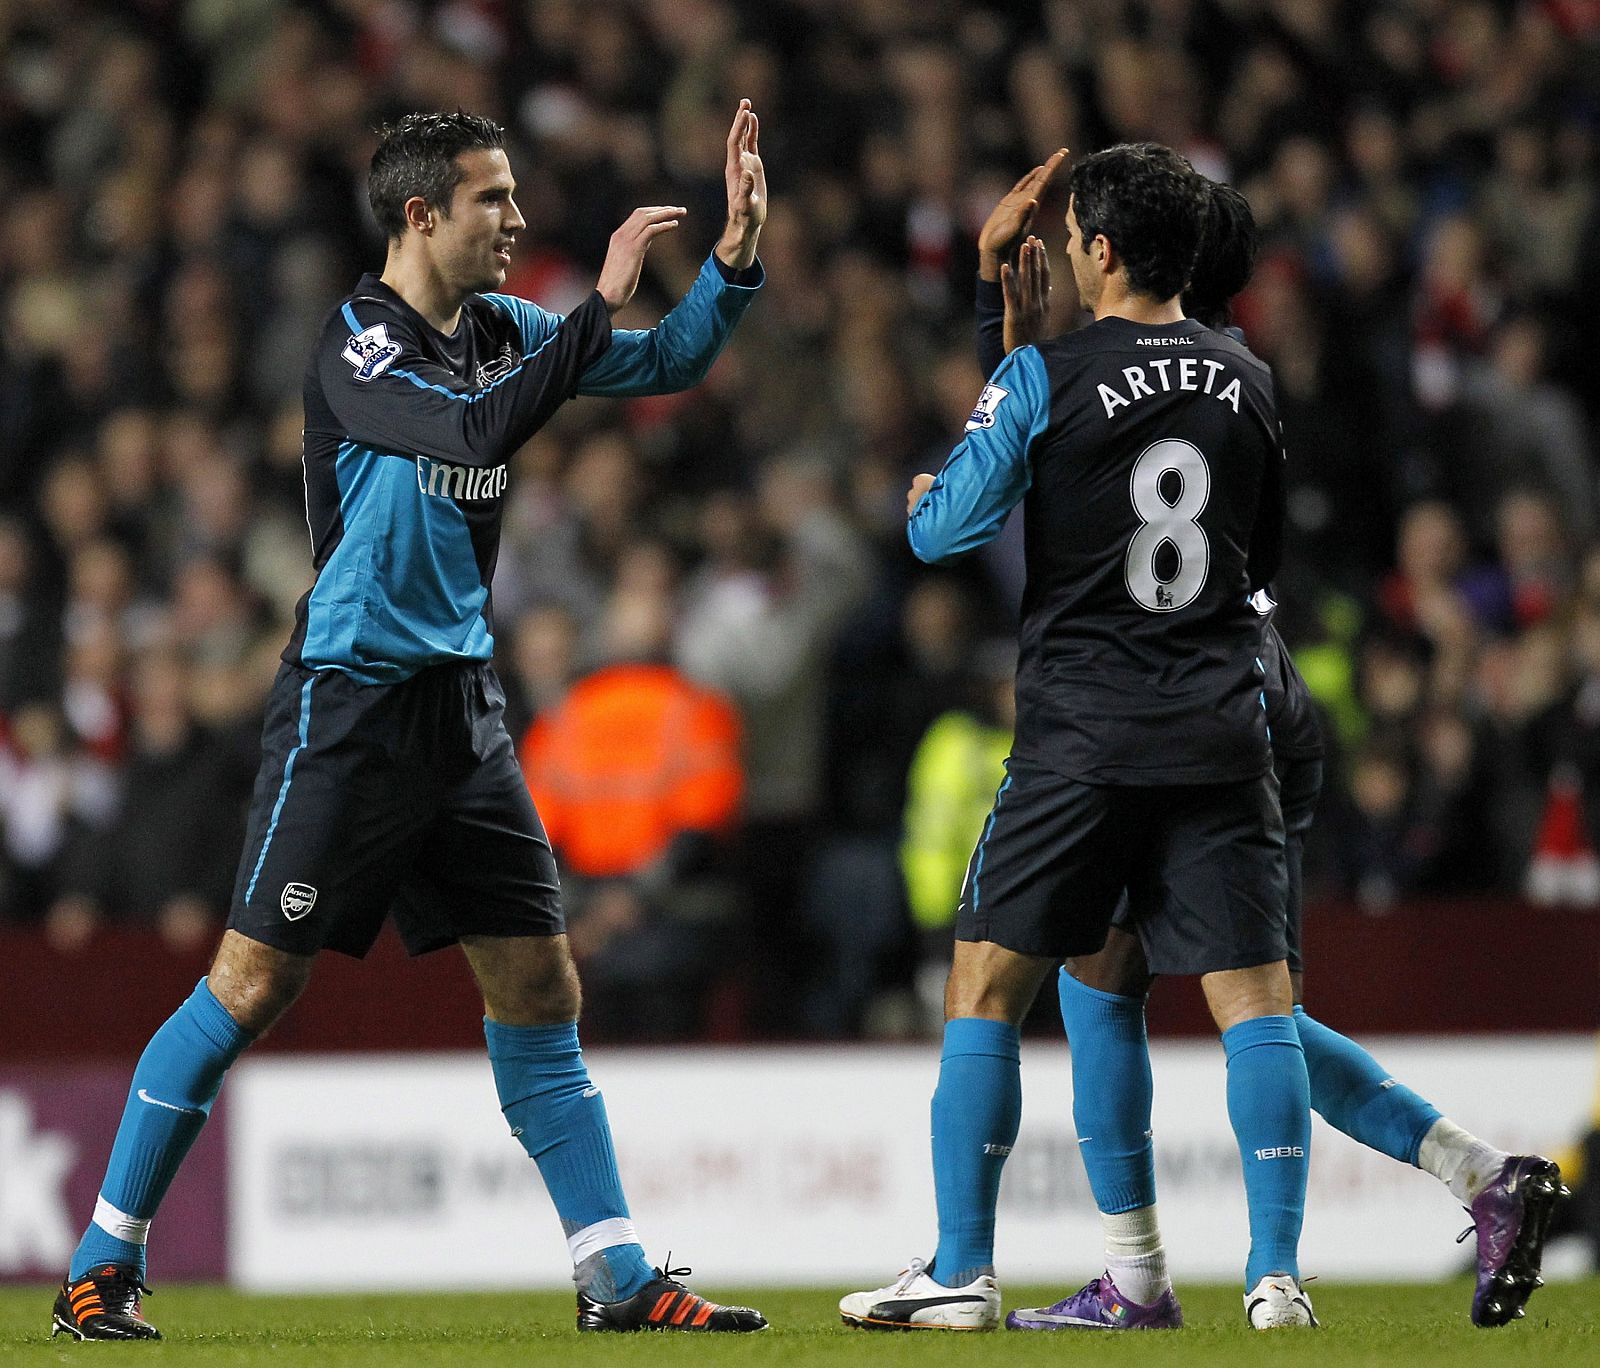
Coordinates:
[751,277]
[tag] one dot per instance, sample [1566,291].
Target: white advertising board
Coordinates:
[811,1165]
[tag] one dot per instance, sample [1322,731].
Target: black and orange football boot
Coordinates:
[666,1304]
[103,1305]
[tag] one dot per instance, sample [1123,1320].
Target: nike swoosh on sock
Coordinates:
[170,1106]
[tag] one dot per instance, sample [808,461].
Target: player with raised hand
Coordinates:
[388,782]
[1510,1197]
[1144,451]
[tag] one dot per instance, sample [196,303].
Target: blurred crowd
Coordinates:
[705,603]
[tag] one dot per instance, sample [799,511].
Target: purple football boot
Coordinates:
[1099,1306]
[1512,1218]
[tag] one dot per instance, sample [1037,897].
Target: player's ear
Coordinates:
[419,214]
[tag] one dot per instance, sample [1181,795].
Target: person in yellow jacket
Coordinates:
[958,766]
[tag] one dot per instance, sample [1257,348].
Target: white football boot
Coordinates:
[1278,1302]
[915,1302]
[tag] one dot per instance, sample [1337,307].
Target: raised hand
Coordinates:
[1009,220]
[747,190]
[619,277]
[1027,291]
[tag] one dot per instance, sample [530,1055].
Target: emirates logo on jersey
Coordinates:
[465,484]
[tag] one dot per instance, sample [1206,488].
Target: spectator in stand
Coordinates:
[1392,681]
[1379,865]
[759,623]
[1535,556]
[1512,429]
[889,687]
[165,860]
[48,794]
[543,663]
[637,775]
[1434,592]
[30,639]
[1450,830]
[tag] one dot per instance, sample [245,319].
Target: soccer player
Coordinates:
[388,782]
[1144,449]
[1510,1197]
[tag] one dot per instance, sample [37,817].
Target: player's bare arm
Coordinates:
[746,180]
[619,276]
[1009,220]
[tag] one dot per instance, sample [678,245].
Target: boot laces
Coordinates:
[914,1270]
[120,1292]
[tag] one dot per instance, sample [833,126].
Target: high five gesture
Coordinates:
[747,190]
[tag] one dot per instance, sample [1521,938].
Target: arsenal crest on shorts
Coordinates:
[297,899]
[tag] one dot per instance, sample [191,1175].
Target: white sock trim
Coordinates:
[1130,1234]
[119,1224]
[601,1235]
[1458,1159]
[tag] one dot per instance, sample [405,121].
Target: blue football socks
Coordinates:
[560,1118]
[174,1085]
[1269,1105]
[1111,1093]
[1353,1093]
[977,1109]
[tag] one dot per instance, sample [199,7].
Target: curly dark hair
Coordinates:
[417,156]
[1226,259]
[1149,203]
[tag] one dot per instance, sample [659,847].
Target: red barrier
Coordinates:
[106,1000]
[1434,968]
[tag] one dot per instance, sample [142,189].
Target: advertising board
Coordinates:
[811,1165]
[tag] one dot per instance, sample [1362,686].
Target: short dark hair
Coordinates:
[1226,259]
[1149,203]
[416,155]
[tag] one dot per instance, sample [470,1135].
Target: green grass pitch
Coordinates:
[1384,1327]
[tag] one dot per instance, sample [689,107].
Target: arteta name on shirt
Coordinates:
[1170,373]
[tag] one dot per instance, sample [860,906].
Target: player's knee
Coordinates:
[988,1000]
[1118,967]
[556,997]
[1236,995]
[994,983]
[530,983]
[255,983]
[258,1002]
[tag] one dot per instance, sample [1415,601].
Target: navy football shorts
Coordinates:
[403,798]
[1299,787]
[1202,863]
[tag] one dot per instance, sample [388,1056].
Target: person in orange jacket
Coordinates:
[638,775]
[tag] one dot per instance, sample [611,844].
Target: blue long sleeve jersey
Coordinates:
[407,438]
[1147,466]
[1291,714]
